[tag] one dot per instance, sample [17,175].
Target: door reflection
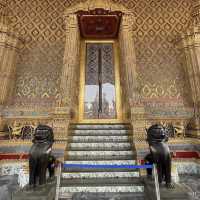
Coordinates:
[99,98]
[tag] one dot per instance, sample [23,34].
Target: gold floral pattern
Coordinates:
[40,23]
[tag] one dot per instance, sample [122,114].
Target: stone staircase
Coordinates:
[102,144]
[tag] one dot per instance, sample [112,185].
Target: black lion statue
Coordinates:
[157,137]
[40,154]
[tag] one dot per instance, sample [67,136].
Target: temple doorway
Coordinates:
[100,82]
[99,78]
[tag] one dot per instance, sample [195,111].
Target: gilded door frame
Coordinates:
[82,82]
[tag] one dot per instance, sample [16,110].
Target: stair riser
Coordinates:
[104,162]
[100,137]
[100,175]
[99,182]
[64,190]
[95,126]
[100,146]
[96,140]
[100,153]
[102,132]
[105,155]
[100,158]
[91,170]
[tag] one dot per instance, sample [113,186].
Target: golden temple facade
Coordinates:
[158,63]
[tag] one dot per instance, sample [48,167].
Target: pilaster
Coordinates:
[69,77]
[190,44]
[128,62]
[10,45]
[68,104]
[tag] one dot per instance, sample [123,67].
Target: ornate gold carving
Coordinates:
[92,4]
[158,69]
[195,12]
[41,24]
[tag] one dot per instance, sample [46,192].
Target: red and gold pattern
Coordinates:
[99,23]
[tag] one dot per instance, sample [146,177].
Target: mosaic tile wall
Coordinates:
[160,65]
[40,24]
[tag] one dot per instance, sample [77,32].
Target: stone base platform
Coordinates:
[46,192]
[180,192]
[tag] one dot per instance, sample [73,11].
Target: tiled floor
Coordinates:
[192,182]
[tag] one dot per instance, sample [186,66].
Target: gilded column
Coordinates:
[67,107]
[127,49]
[7,62]
[71,62]
[128,62]
[9,47]
[190,44]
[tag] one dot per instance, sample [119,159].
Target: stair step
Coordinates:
[99,139]
[91,170]
[103,196]
[100,126]
[106,188]
[100,153]
[101,162]
[100,175]
[79,182]
[98,162]
[101,157]
[99,132]
[100,146]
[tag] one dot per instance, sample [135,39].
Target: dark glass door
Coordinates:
[99,89]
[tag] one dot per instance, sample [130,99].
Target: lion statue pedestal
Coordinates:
[40,159]
[157,137]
